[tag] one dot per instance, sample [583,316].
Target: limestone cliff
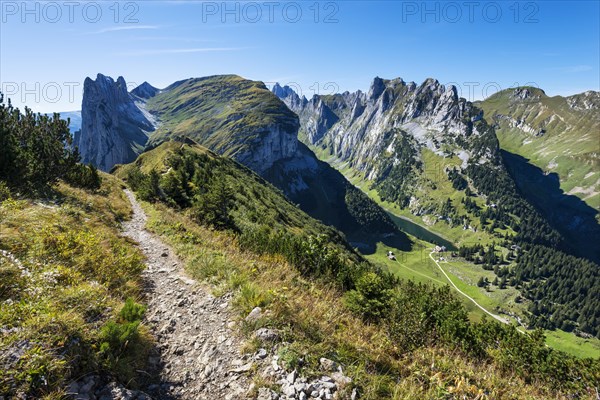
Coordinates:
[114,128]
[365,128]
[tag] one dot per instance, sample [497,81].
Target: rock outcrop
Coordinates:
[362,128]
[274,144]
[115,127]
[145,91]
[586,101]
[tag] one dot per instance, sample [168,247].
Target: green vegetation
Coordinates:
[35,151]
[482,205]
[220,192]
[326,195]
[64,269]
[65,273]
[225,113]
[563,139]
[69,282]
[396,179]
[387,333]
[561,286]
[580,347]
[408,319]
[369,216]
[231,116]
[507,302]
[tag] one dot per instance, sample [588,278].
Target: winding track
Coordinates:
[198,356]
[496,317]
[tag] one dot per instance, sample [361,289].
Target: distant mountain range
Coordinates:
[234,117]
[74,119]
[400,138]
[417,149]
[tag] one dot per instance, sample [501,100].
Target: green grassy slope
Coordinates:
[65,273]
[569,144]
[256,203]
[225,113]
[315,322]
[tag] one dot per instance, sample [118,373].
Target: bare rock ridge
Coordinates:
[145,91]
[115,127]
[364,127]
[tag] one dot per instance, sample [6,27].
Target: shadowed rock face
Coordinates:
[145,91]
[114,128]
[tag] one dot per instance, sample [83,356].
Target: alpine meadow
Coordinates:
[245,200]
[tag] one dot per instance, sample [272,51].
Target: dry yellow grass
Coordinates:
[314,319]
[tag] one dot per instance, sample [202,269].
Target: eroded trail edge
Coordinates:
[198,354]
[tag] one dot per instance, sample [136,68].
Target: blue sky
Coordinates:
[48,48]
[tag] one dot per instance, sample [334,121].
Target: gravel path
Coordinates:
[198,354]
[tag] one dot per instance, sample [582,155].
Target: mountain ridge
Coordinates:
[242,119]
[434,157]
[385,131]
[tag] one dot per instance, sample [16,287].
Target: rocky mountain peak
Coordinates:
[431,87]
[589,100]
[359,128]
[113,127]
[452,91]
[145,91]
[281,92]
[105,86]
[376,89]
[289,97]
[521,93]
[527,93]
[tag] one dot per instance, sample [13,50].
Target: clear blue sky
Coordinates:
[47,48]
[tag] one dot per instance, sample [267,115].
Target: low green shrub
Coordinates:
[372,297]
[121,343]
[84,176]
[132,311]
